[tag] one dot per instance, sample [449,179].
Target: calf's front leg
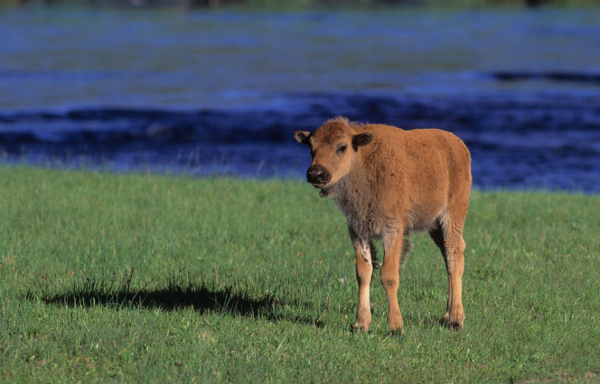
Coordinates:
[364,273]
[390,277]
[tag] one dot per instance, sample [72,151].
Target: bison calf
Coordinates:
[389,182]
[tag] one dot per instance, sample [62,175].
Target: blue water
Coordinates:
[207,92]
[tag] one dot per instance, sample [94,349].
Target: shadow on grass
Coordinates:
[178,296]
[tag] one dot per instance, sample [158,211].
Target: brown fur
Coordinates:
[388,183]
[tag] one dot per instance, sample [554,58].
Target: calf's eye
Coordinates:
[342,149]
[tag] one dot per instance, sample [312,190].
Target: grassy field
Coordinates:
[155,279]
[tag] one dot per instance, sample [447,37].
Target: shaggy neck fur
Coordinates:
[356,195]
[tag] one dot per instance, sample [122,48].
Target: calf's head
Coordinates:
[334,147]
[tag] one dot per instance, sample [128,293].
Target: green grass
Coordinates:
[156,278]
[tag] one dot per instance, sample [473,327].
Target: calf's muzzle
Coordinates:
[317,175]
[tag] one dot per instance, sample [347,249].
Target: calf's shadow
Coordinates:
[175,297]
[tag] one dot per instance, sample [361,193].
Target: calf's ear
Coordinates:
[302,137]
[361,140]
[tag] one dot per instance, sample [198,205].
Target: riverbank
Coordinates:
[303,4]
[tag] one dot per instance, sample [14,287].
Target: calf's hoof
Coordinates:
[453,322]
[395,325]
[357,328]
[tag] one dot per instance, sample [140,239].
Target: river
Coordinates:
[212,92]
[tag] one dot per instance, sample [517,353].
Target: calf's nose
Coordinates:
[317,175]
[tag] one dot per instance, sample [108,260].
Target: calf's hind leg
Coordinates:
[447,235]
